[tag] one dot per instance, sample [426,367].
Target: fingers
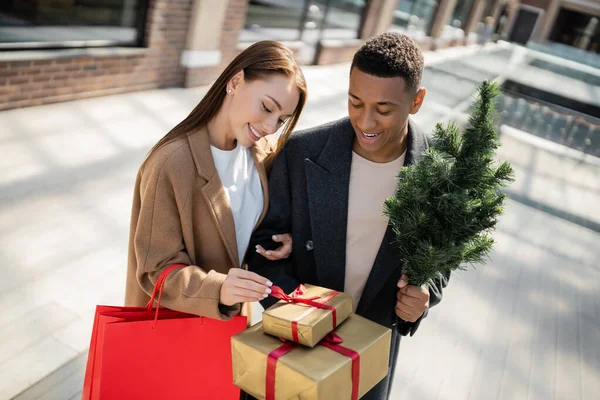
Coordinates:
[278,254]
[281,252]
[242,286]
[249,275]
[408,313]
[245,284]
[231,294]
[408,302]
[268,254]
[415,291]
[403,282]
[283,238]
[274,255]
[248,295]
[249,285]
[286,249]
[405,316]
[411,302]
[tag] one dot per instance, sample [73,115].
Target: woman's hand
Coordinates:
[242,286]
[281,252]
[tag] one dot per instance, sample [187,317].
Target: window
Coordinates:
[343,18]
[454,29]
[414,16]
[276,20]
[460,16]
[71,23]
[302,19]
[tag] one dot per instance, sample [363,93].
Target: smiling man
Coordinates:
[327,188]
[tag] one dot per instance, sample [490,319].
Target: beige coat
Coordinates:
[181,215]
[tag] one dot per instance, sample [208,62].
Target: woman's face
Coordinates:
[260,107]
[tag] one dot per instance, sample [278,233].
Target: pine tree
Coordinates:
[447,204]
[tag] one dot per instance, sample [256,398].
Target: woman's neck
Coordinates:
[219,132]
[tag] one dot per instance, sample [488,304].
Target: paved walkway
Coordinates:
[527,326]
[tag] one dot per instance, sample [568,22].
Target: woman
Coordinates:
[203,188]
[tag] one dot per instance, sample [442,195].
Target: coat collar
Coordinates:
[328,180]
[214,193]
[417,143]
[338,149]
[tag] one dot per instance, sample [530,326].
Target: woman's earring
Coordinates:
[229,91]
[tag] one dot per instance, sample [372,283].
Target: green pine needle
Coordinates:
[447,204]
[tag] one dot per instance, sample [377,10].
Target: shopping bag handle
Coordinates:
[158,287]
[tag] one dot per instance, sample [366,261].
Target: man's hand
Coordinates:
[281,252]
[411,301]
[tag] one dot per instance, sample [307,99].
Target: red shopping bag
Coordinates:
[146,353]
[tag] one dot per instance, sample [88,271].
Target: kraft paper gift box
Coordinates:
[296,318]
[269,368]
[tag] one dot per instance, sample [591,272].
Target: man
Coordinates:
[327,188]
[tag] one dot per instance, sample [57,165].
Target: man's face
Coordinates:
[379,110]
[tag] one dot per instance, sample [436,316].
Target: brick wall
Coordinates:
[68,77]
[235,17]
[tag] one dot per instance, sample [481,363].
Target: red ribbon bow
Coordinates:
[332,342]
[296,298]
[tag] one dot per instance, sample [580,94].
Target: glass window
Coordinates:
[414,16]
[576,29]
[343,18]
[460,16]
[274,19]
[70,23]
[302,19]
[454,28]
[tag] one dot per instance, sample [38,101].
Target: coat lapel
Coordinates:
[387,264]
[327,181]
[214,193]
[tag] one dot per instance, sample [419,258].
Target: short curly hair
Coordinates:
[391,55]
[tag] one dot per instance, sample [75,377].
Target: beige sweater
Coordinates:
[181,214]
[370,184]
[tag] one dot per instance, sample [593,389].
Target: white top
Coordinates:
[370,184]
[242,185]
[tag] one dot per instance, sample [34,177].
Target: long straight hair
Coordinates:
[259,61]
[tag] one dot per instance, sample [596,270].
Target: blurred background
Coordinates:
[88,86]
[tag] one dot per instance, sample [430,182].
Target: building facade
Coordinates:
[60,50]
[572,23]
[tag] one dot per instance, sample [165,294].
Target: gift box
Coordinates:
[345,365]
[307,315]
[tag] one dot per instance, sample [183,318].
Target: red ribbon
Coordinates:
[272,365]
[332,342]
[296,298]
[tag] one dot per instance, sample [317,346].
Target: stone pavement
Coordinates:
[526,326]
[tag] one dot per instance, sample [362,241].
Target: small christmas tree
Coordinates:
[447,204]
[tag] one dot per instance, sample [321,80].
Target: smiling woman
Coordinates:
[203,188]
